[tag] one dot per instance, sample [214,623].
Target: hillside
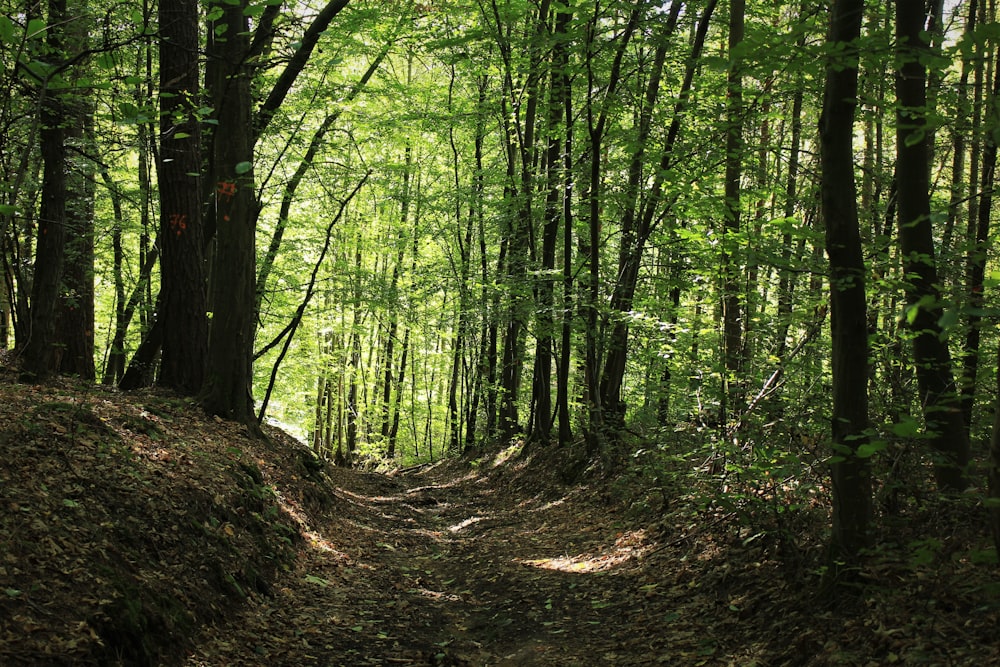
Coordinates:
[135,531]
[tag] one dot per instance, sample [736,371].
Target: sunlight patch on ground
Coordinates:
[314,539]
[628,546]
[462,525]
[320,543]
[549,505]
[506,454]
[361,499]
[437,595]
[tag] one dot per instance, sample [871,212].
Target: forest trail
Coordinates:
[500,565]
[446,565]
[137,531]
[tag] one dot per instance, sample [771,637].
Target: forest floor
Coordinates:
[135,531]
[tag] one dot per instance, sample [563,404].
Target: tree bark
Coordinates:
[182,312]
[938,393]
[848,319]
[41,355]
[732,305]
[228,387]
[75,318]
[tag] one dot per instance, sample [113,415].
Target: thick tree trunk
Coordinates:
[182,312]
[75,318]
[848,319]
[75,328]
[228,386]
[938,393]
[41,355]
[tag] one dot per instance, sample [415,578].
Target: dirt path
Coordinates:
[431,569]
[130,519]
[455,566]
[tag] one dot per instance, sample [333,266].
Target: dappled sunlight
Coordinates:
[437,595]
[547,506]
[319,543]
[629,546]
[507,454]
[453,483]
[462,525]
[362,499]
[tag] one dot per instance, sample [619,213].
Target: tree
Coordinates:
[732,306]
[75,317]
[597,109]
[182,307]
[228,386]
[41,356]
[924,304]
[850,470]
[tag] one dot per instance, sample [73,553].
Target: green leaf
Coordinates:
[36,27]
[243,167]
[906,427]
[926,302]
[12,592]
[6,29]
[948,319]
[70,503]
[869,449]
[106,61]
[983,556]
[313,579]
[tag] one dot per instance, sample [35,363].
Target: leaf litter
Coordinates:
[137,531]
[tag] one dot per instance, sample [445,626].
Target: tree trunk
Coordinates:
[554,169]
[599,103]
[401,378]
[228,386]
[938,393]
[182,312]
[975,275]
[41,354]
[732,306]
[638,221]
[848,319]
[994,473]
[75,318]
